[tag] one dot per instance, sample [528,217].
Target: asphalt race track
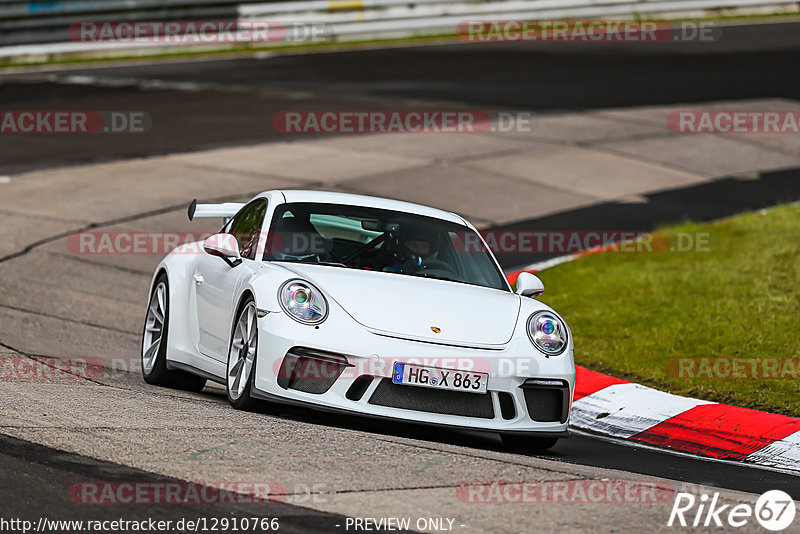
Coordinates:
[28,469]
[201,105]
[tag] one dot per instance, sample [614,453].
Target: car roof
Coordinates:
[328,197]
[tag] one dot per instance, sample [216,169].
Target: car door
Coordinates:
[217,282]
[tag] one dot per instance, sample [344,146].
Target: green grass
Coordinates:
[631,313]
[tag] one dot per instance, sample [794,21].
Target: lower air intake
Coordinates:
[432,400]
[507,409]
[547,401]
[359,387]
[310,371]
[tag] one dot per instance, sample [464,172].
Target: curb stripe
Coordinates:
[588,382]
[784,453]
[721,431]
[617,408]
[623,410]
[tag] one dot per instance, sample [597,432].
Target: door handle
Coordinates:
[198,279]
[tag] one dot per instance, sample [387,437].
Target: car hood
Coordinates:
[412,307]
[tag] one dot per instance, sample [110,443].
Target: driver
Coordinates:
[411,245]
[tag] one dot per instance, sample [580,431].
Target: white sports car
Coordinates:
[364,306]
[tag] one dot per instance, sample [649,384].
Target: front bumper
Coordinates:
[368,359]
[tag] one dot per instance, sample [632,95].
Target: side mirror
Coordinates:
[529,285]
[224,246]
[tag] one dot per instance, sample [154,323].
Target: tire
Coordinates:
[527,444]
[241,364]
[154,344]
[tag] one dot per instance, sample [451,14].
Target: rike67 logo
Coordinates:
[774,510]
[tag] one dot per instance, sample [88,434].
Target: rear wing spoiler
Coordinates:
[225,210]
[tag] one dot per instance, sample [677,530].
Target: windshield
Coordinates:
[380,240]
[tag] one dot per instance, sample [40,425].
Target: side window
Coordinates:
[246,227]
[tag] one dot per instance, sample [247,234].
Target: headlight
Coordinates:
[548,333]
[303,302]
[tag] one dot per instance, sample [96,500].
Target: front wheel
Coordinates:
[527,444]
[242,360]
[154,344]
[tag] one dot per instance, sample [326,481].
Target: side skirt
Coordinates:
[195,371]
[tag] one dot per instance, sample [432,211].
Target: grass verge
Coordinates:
[733,310]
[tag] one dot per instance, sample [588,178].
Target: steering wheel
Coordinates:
[438,264]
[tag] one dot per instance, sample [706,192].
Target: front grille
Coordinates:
[310,371]
[432,400]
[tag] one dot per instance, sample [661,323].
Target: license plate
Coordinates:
[408,374]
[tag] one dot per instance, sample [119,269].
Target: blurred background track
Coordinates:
[204,103]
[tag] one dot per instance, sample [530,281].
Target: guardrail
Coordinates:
[37,21]
[41,27]
[343,19]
